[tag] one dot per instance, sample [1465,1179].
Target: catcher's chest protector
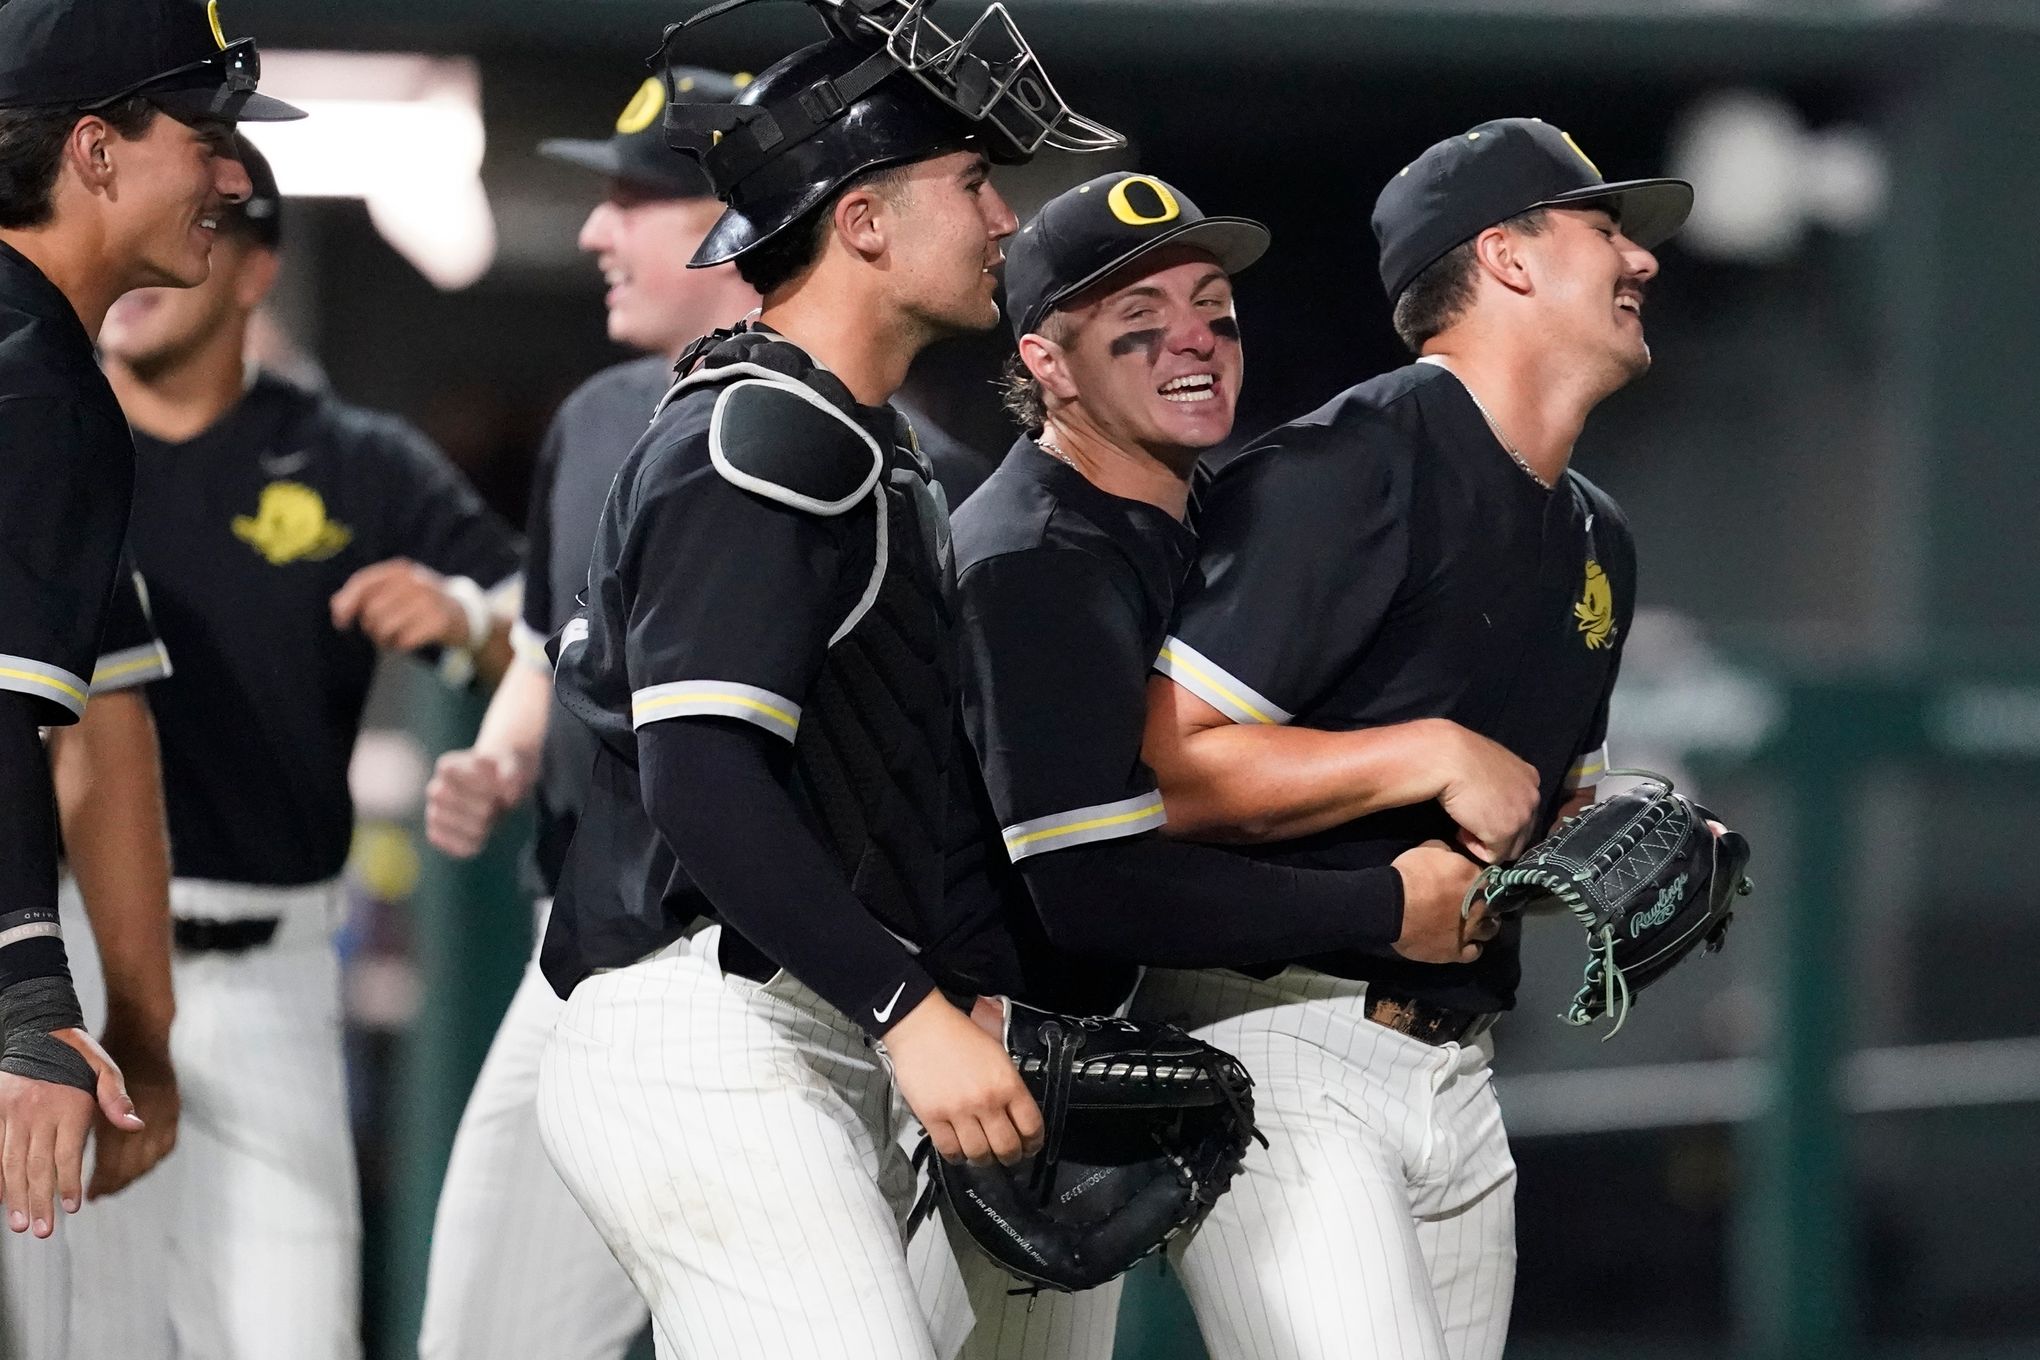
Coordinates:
[873,752]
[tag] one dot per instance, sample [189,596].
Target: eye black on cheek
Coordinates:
[1226,326]
[1134,342]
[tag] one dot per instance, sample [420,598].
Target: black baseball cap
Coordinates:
[1463,185]
[637,151]
[89,53]
[1083,234]
[260,217]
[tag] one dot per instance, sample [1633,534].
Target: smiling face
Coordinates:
[1590,281]
[153,330]
[641,242]
[172,183]
[1150,359]
[944,248]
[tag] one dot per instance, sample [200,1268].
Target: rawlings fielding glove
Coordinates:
[1143,1128]
[1646,876]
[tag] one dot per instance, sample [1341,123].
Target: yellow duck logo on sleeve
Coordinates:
[1596,610]
[290,525]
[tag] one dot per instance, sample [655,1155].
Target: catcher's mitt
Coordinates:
[1144,1127]
[1647,877]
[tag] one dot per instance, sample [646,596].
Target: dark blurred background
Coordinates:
[1818,1143]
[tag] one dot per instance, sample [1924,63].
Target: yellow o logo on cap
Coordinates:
[212,16]
[1581,154]
[1132,216]
[644,108]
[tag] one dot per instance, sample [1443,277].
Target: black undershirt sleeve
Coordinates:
[1179,905]
[714,789]
[36,998]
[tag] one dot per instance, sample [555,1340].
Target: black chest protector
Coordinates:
[871,758]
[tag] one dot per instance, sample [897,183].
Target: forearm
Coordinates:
[514,727]
[494,658]
[110,804]
[1254,783]
[36,997]
[1146,900]
[710,789]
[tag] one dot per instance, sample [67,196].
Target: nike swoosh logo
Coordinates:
[287,464]
[884,1015]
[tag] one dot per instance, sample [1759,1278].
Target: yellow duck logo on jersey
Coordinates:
[1596,609]
[290,525]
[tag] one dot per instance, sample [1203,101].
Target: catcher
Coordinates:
[1417,549]
[1068,559]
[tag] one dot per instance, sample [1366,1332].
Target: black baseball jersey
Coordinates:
[64,498]
[591,434]
[1384,559]
[243,534]
[1064,594]
[130,652]
[800,586]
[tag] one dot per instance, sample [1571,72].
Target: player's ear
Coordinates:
[87,150]
[1498,253]
[1044,359]
[862,221]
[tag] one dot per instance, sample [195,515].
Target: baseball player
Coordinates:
[517,1269]
[113,165]
[1068,562]
[766,662]
[109,789]
[1416,549]
[285,536]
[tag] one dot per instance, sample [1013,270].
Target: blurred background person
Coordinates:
[285,537]
[516,1268]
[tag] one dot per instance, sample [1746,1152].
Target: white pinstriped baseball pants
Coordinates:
[517,1271]
[739,1147]
[245,1242]
[1381,1221]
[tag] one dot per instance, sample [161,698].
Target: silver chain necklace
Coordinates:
[1494,426]
[1046,443]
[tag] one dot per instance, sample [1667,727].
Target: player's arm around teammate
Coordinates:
[110,179]
[1130,364]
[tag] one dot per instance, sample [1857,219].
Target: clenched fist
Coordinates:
[468,793]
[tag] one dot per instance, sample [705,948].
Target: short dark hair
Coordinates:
[32,149]
[1437,296]
[1020,390]
[799,244]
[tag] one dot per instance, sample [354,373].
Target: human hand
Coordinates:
[1436,878]
[401,605]
[1490,792]
[42,1135]
[961,1084]
[123,1156]
[469,790]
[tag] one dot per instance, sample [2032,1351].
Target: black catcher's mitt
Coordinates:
[1646,876]
[1144,1128]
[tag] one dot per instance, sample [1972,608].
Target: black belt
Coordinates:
[1425,1021]
[200,936]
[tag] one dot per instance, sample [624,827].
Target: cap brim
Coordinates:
[607,159]
[1650,210]
[1234,242]
[217,102]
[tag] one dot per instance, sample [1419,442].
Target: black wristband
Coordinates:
[30,1012]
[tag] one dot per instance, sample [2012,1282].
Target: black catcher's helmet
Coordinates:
[889,88]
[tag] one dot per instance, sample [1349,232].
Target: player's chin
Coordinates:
[1196,424]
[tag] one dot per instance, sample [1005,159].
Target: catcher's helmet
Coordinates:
[889,88]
